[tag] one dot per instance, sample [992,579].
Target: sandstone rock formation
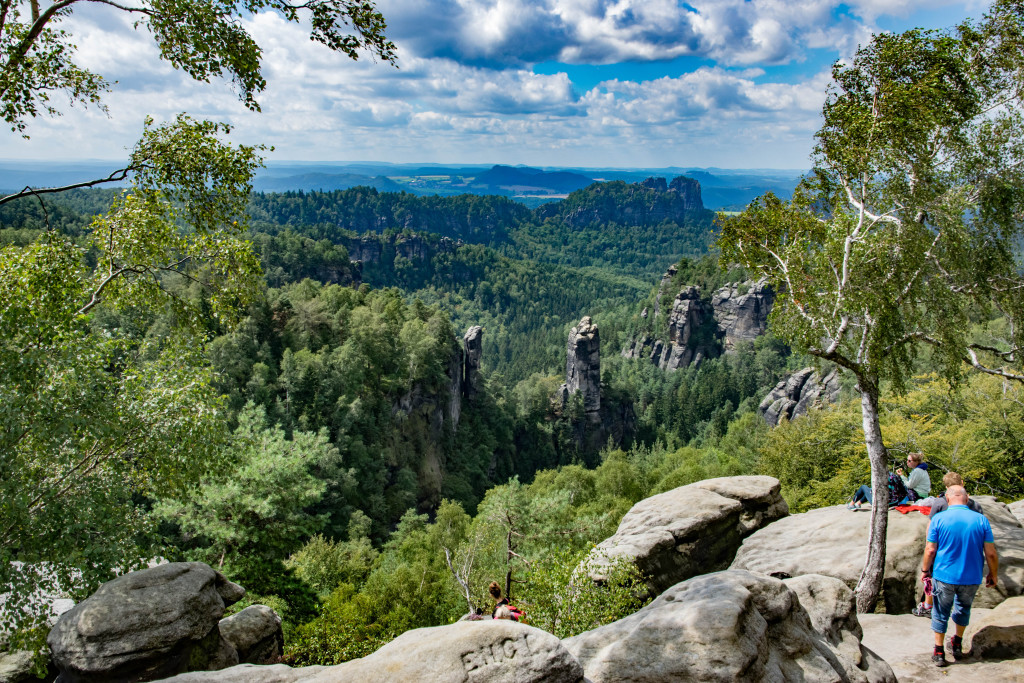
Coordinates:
[832,541]
[692,529]
[998,634]
[733,626]
[485,651]
[146,625]
[472,350]
[741,310]
[583,366]
[691,334]
[1017,509]
[255,634]
[797,393]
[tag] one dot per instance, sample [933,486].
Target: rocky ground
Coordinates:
[905,642]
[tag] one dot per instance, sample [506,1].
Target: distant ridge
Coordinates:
[324,182]
[509,177]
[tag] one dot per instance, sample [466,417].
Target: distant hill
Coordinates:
[323,182]
[525,178]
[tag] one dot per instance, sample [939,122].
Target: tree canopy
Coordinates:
[906,233]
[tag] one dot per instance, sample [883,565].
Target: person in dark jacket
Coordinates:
[495,590]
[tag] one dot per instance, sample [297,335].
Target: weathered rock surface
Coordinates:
[487,651]
[832,541]
[797,393]
[146,625]
[1009,538]
[742,317]
[1017,508]
[255,634]
[472,350]
[583,365]
[732,626]
[905,642]
[998,634]
[16,667]
[692,529]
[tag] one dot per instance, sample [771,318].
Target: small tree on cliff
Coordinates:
[907,231]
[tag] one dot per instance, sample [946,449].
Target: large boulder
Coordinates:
[255,633]
[1009,537]
[733,626]
[999,634]
[1017,509]
[833,541]
[489,651]
[146,625]
[690,530]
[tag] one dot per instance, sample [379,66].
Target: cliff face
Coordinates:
[700,329]
[797,393]
[647,203]
[371,248]
[741,311]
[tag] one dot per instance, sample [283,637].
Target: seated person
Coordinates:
[917,483]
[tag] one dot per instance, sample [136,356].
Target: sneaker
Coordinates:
[922,611]
[938,657]
[957,646]
[852,506]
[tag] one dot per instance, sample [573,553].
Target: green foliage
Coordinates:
[257,506]
[559,597]
[204,40]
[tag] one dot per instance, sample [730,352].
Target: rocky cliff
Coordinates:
[372,248]
[700,328]
[647,203]
[797,393]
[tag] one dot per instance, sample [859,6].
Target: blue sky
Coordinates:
[626,83]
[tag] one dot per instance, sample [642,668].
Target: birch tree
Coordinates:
[907,232]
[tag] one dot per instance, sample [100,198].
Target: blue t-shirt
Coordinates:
[961,535]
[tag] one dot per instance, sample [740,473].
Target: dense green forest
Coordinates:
[359,463]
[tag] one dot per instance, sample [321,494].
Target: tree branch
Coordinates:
[115,176]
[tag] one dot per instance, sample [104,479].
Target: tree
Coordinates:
[202,38]
[97,417]
[905,232]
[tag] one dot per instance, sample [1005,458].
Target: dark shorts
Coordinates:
[950,601]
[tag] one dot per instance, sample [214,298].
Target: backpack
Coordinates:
[897,490]
[517,614]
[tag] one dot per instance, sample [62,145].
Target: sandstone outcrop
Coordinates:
[583,366]
[472,350]
[487,651]
[1017,509]
[734,626]
[691,334]
[693,529]
[998,634]
[255,634]
[146,625]
[832,541]
[741,310]
[798,393]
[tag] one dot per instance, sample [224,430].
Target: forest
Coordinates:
[285,385]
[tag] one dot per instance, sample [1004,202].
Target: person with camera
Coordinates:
[960,542]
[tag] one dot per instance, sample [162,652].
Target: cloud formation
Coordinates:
[466,89]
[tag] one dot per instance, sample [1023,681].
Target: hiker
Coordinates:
[917,484]
[502,612]
[939,504]
[957,540]
[495,590]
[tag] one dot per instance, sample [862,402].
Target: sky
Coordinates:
[550,83]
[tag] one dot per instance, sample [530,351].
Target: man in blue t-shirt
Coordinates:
[959,542]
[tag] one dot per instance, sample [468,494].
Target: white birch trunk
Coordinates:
[869,586]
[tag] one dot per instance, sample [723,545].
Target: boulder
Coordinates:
[797,393]
[146,625]
[693,529]
[1017,509]
[17,667]
[1009,537]
[833,541]
[999,634]
[488,651]
[731,626]
[255,634]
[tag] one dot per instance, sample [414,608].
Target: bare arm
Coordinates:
[993,564]
[929,558]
